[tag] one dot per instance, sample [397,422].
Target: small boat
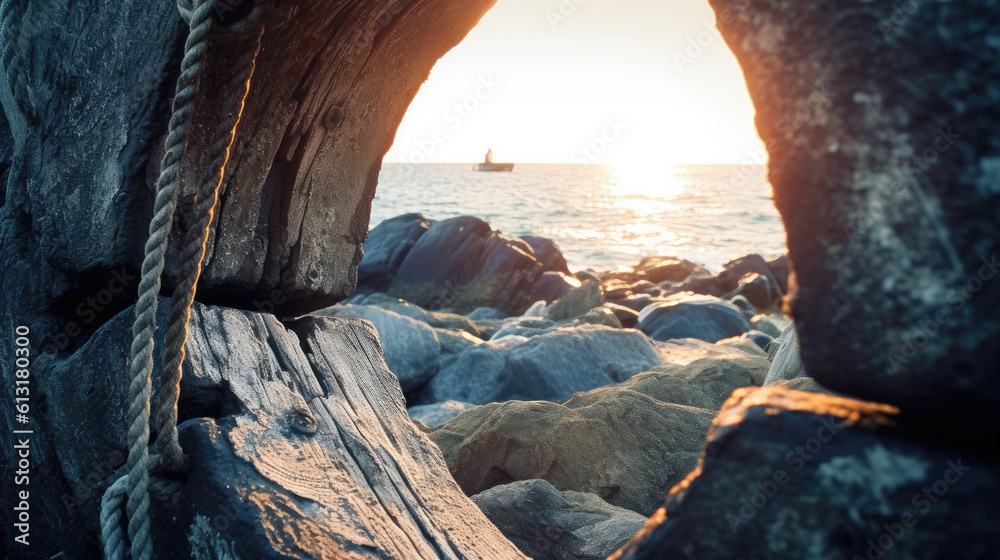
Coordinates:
[495,166]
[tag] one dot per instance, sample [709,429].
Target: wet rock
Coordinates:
[786,361]
[550,366]
[547,253]
[686,316]
[626,447]
[547,524]
[639,302]
[576,303]
[386,247]
[439,413]
[800,475]
[412,349]
[617,289]
[460,264]
[883,158]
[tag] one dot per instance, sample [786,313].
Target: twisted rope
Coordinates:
[165,421]
[141,364]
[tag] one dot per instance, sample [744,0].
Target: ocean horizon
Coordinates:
[600,217]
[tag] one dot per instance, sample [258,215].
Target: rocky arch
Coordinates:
[85,91]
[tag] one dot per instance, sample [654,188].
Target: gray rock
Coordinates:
[883,158]
[547,524]
[772,325]
[537,309]
[786,362]
[787,474]
[412,349]
[455,342]
[685,316]
[485,313]
[436,319]
[627,448]
[748,309]
[439,413]
[576,303]
[696,373]
[550,366]
[759,338]
[548,253]
[526,327]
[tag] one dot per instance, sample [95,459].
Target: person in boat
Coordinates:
[489,156]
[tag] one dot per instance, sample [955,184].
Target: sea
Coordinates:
[601,218]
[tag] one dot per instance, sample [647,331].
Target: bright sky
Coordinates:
[623,82]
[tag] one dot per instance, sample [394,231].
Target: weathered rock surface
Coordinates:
[412,349]
[884,160]
[547,253]
[799,475]
[549,366]
[288,431]
[686,316]
[547,524]
[436,414]
[696,374]
[575,303]
[385,248]
[461,264]
[625,447]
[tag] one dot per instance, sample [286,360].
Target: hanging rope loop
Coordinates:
[133,490]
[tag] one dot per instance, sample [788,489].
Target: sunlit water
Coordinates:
[601,219]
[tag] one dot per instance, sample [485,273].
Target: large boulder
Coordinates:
[626,447]
[412,349]
[387,245]
[547,253]
[549,366]
[547,524]
[883,155]
[696,373]
[687,316]
[461,264]
[787,474]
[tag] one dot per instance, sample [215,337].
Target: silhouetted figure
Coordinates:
[489,156]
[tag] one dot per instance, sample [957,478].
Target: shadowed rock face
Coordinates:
[881,129]
[331,84]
